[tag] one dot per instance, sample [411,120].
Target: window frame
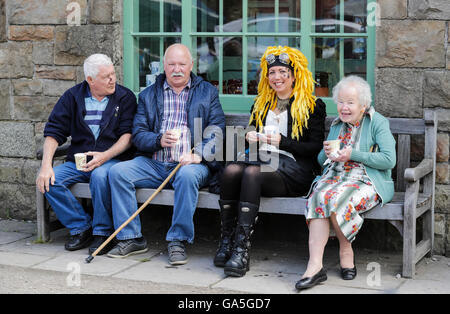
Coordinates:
[237,103]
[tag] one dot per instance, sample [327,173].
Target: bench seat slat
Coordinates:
[280,205]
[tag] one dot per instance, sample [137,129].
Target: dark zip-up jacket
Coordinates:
[67,119]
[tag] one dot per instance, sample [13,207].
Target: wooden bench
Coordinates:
[414,196]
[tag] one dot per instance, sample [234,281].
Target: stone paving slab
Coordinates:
[102,266]
[199,271]
[20,259]
[11,237]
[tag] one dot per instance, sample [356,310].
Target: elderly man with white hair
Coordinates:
[172,116]
[98,115]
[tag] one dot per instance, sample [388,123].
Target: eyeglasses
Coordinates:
[283,57]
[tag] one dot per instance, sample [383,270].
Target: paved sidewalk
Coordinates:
[275,268]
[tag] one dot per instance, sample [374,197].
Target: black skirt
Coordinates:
[297,175]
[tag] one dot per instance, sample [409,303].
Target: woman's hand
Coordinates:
[252,136]
[274,139]
[343,155]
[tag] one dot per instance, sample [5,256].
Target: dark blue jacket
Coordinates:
[67,119]
[204,111]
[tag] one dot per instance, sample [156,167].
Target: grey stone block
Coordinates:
[411,43]
[5,107]
[17,139]
[17,201]
[18,64]
[429,9]
[51,11]
[436,89]
[399,92]
[33,108]
[74,44]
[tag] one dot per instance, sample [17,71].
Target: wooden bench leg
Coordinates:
[428,230]
[43,219]
[409,230]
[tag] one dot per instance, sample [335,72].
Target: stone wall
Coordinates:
[41,56]
[412,73]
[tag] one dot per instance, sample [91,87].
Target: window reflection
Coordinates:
[263,18]
[330,20]
[149,51]
[149,16]
[332,53]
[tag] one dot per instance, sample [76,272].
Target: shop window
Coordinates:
[228,38]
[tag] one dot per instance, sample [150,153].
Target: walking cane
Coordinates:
[91,257]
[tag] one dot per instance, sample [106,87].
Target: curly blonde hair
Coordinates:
[304,101]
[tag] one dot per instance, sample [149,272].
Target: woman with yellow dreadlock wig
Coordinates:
[286,134]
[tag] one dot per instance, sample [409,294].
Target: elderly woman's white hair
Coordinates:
[93,63]
[361,85]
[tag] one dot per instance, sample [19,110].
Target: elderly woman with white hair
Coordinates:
[355,178]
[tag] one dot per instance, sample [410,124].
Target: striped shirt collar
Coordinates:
[89,95]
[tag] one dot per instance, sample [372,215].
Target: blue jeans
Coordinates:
[67,208]
[144,172]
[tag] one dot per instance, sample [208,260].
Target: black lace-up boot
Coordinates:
[239,262]
[228,217]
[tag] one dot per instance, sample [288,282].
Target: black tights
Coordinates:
[247,183]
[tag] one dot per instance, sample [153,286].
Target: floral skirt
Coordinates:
[346,196]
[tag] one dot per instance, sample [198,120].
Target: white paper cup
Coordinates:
[270,130]
[335,146]
[177,134]
[80,160]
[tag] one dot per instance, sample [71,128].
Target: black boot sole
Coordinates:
[234,272]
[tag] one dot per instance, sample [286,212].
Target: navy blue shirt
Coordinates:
[68,119]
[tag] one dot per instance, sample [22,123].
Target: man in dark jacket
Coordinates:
[98,115]
[173,116]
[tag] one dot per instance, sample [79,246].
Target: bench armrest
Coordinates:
[60,151]
[418,172]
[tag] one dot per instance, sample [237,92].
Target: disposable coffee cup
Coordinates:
[177,134]
[335,146]
[80,161]
[270,130]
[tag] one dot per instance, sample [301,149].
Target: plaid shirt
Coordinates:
[175,117]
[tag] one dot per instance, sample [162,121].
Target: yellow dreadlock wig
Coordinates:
[304,100]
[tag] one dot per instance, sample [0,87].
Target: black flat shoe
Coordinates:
[309,282]
[348,273]
[79,241]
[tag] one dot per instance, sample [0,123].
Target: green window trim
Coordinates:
[241,102]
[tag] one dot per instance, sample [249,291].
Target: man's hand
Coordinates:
[190,158]
[45,177]
[98,159]
[169,139]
